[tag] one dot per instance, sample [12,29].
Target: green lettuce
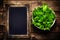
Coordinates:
[43,17]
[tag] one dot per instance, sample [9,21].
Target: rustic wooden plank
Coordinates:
[57,17]
[53,4]
[33,0]
[54,29]
[57,14]
[16,0]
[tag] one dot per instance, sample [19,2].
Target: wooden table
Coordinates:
[37,34]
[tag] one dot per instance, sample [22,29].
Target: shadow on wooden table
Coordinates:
[52,34]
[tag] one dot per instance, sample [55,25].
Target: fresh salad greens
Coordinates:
[43,17]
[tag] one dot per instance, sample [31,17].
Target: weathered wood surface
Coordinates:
[35,33]
[55,30]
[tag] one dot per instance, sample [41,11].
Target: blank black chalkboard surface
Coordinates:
[1,3]
[17,20]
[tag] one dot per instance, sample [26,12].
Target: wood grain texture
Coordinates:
[55,30]
[36,34]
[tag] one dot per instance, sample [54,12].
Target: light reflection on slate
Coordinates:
[17,20]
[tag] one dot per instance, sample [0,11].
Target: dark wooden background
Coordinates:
[36,34]
[54,33]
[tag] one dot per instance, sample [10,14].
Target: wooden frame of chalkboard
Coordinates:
[28,27]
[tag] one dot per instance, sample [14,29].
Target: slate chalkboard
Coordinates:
[1,3]
[17,20]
